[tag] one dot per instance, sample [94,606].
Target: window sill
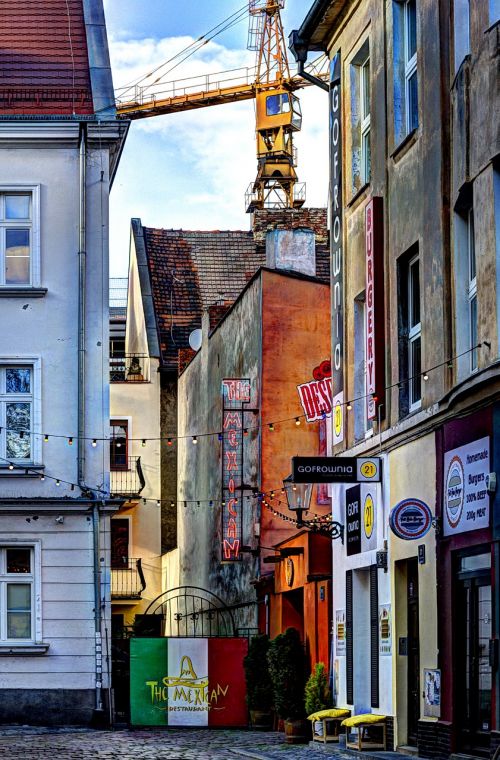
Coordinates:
[14,650]
[19,472]
[359,194]
[23,292]
[405,145]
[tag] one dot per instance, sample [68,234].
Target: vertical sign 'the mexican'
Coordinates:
[337,274]
[235,393]
[374,307]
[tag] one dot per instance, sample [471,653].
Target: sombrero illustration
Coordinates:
[187,676]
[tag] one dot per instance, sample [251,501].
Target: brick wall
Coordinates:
[315,219]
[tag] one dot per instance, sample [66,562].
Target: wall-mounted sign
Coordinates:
[187,682]
[316,395]
[340,633]
[336,469]
[368,515]
[289,571]
[384,630]
[410,519]
[432,693]
[374,332]
[466,504]
[336,243]
[235,394]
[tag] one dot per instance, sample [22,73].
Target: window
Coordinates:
[414,335]
[466,326]
[405,68]
[118,445]
[19,237]
[276,104]
[409,333]
[472,289]
[17,593]
[494,7]
[461,31]
[360,118]
[16,413]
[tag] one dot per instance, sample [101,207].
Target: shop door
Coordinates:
[473,697]
[413,653]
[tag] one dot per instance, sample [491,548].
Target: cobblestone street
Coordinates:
[175,744]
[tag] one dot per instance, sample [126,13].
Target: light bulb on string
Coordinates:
[94,442]
[58,482]
[70,441]
[271,426]
[46,438]
[143,444]
[169,441]
[348,406]
[425,376]
[297,421]
[195,439]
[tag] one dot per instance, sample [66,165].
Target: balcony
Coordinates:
[129,368]
[127,481]
[127,578]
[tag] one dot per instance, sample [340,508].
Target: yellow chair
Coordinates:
[330,721]
[364,725]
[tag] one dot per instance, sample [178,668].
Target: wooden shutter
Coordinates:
[374,656]
[349,639]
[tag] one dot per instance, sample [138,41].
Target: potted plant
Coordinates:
[258,681]
[318,696]
[287,668]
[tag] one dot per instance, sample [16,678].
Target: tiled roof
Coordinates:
[44,66]
[191,271]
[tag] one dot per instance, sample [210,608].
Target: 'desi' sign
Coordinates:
[316,396]
[235,393]
[466,503]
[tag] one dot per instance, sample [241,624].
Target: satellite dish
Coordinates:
[195,340]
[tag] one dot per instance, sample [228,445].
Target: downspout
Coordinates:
[299,49]
[82,276]
[311,78]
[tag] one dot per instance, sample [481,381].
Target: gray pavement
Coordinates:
[175,744]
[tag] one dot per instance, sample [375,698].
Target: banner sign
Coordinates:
[316,395]
[187,682]
[336,469]
[374,332]
[235,394]
[337,273]
[466,503]
[340,633]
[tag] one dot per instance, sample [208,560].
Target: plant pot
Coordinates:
[261,720]
[297,731]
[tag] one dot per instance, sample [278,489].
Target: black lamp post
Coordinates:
[298,497]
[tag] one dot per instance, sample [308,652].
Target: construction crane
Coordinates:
[270,83]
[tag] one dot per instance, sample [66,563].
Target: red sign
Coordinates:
[316,396]
[374,349]
[235,393]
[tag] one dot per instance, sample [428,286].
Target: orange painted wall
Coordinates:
[295,340]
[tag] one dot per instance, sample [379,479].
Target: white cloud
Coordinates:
[191,169]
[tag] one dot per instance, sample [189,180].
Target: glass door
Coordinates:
[473,697]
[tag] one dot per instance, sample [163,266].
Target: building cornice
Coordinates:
[47,506]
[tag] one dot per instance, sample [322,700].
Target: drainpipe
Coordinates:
[82,275]
[300,49]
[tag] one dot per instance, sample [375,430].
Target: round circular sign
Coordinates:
[369,515]
[454,491]
[289,571]
[410,519]
[338,419]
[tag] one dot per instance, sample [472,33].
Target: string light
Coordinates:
[271,426]
[143,442]
[11,466]
[70,441]
[348,406]
[297,421]
[46,438]
[94,442]
[195,439]
[58,482]
[169,441]
[425,376]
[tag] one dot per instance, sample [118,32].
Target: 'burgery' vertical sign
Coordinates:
[337,266]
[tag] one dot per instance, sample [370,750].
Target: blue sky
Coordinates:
[191,170]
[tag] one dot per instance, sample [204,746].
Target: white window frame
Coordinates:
[33,578]
[414,334]
[471,288]
[364,95]
[35,268]
[34,363]
[410,65]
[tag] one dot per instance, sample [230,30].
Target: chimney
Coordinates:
[290,237]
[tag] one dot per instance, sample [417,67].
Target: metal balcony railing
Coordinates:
[129,368]
[127,578]
[129,480]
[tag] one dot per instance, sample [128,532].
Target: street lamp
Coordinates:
[298,497]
